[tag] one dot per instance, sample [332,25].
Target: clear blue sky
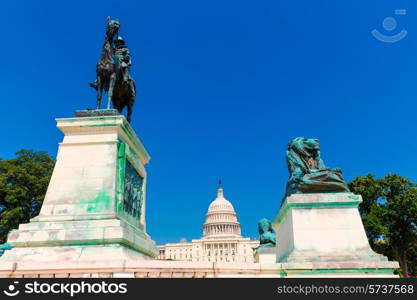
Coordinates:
[223,86]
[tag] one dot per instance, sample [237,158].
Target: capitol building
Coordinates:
[221,241]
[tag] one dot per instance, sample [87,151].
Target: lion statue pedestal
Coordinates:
[322,233]
[265,253]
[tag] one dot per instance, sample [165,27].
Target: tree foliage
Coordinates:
[389,213]
[23,183]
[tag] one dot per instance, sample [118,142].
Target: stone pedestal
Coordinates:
[265,255]
[323,234]
[94,208]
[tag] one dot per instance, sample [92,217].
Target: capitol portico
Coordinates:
[221,241]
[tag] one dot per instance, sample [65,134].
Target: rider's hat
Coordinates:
[119,41]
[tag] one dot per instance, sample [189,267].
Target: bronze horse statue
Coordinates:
[113,72]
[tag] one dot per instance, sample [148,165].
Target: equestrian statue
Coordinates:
[113,72]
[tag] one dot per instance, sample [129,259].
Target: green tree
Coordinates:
[23,184]
[389,213]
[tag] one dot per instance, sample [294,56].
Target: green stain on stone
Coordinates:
[340,271]
[323,205]
[121,163]
[100,203]
[102,125]
[132,137]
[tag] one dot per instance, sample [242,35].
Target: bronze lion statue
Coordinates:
[267,235]
[308,173]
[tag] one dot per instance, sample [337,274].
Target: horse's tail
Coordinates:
[93,85]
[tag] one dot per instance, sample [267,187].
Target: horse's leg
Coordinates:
[129,110]
[131,100]
[111,87]
[117,105]
[99,91]
[132,89]
[119,109]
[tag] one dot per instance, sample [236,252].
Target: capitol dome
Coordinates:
[220,203]
[221,218]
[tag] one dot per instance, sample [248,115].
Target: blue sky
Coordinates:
[223,86]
